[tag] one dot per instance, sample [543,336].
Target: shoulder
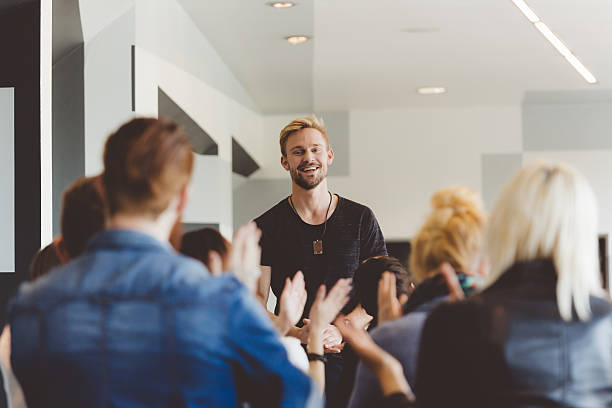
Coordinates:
[273,214]
[399,331]
[353,207]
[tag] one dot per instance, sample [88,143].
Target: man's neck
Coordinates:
[154,228]
[312,204]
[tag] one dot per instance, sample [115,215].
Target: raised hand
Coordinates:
[389,306]
[450,277]
[292,302]
[246,254]
[325,308]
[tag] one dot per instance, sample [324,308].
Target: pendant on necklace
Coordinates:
[317,247]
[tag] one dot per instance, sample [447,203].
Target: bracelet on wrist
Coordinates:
[316,357]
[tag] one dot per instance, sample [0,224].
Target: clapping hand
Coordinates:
[324,310]
[292,302]
[389,306]
[246,254]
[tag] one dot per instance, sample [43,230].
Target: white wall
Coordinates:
[7,179]
[211,186]
[107,83]
[170,53]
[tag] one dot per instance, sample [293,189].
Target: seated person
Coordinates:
[544,314]
[84,213]
[209,247]
[454,234]
[365,284]
[132,323]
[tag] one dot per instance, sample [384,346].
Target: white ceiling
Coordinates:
[375,53]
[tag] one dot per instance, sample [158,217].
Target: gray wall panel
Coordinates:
[496,171]
[68,126]
[254,197]
[567,121]
[337,124]
[7,180]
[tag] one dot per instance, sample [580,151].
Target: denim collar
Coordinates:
[125,239]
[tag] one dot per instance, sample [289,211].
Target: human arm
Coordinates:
[263,285]
[387,369]
[246,254]
[323,311]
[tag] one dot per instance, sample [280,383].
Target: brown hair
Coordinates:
[45,259]
[198,243]
[308,122]
[84,213]
[147,162]
[454,233]
[366,278]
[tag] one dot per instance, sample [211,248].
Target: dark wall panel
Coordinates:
[20,68]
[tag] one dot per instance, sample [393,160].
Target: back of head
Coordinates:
[84,213]
[307,122]
[367,275]
[548,210]
[45,259]
[453,233]
[198,243]
[147,162]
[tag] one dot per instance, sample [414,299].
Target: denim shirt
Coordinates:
[133,324]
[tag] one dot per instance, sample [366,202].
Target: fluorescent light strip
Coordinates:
[555,41]
[526,10]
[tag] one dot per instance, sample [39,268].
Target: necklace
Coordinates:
[317,244]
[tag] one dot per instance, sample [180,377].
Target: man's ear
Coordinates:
[284,162]
[330,156]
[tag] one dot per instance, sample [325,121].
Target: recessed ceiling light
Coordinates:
[431,90]
[555,41]
[297,39]
[280,4]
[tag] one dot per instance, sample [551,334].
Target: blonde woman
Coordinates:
[540,335]
[452,237]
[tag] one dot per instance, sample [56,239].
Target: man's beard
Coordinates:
[297,178]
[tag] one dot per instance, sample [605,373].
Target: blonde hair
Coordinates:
[453,232]
[307,122]
[548,210]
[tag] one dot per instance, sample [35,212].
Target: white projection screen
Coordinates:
[7,180]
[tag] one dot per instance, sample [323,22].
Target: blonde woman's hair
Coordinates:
[454,233]
[548,210]
[311,122]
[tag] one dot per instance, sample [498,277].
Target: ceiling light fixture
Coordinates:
[281,4]
[555,41]
[297,39]
[431,90]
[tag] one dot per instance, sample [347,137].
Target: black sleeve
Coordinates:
[397,400]
[372,240]
[264,225]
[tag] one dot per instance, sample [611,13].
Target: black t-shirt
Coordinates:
[351,236]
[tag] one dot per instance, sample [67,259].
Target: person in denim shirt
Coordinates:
[131,323]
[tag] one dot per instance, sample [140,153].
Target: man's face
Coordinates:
[308,157]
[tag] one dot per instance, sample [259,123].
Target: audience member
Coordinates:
[132,323]
[543,316]
[45,259]
[453,234]
[365,284]
[209,247]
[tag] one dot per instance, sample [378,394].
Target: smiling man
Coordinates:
[322,234]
